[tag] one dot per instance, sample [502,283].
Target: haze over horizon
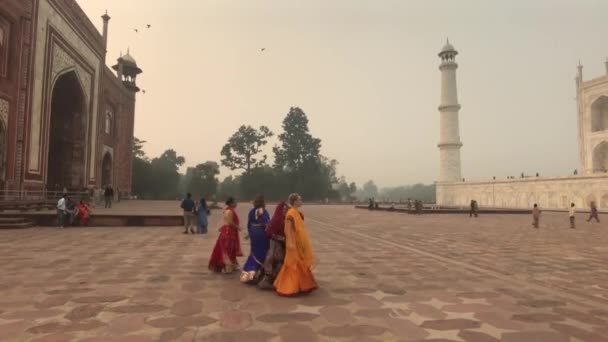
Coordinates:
[366,73]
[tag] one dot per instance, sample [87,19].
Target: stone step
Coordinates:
[12,220]
[15,223]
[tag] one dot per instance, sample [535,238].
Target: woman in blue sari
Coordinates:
[256,226]
[202,213]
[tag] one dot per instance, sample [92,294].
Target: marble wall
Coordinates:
[557,192]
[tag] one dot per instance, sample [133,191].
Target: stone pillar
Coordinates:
[106,19]
[449,130]
[606,64]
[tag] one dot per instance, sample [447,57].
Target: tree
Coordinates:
[243,146]
[138,149]
[142,169]
[353,189]
[369,190]
[229,187]
[298,146]
[165,176]
[202,179]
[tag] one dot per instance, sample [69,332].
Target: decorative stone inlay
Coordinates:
[451,324]
[352,331]
[63,61]
[287,317]
[180,322]
[474,336]
[235,320]
[138,308]
[534,336]
[84,312]
[99,299]
[538,318]
[336,315]
[294,332]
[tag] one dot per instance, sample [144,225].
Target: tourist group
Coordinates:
[281,256]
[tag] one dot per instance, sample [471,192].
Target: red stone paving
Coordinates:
[383,276]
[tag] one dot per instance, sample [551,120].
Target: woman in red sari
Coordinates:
[228,245]
[84,212]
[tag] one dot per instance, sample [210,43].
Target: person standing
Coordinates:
[296,275]
[188,206]
[256,227]
[61,206]
[109,196]
[228,245]
[535,215]
[593,214]
[571,214]
[473,211]
[202,212]
[276,253]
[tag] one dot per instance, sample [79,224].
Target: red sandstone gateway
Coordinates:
[66,118]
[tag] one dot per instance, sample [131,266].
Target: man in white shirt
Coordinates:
[61,210]
[572,213]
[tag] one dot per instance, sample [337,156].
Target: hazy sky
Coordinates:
[365,72]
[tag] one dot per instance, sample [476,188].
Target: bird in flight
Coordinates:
[136,30]
[143,91]
[263,49]
[149,25]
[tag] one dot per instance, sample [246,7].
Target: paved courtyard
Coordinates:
[383,277]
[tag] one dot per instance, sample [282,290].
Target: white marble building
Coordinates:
[590,184]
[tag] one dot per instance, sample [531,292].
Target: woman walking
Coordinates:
[276,253]
[256,227]
[228,246]
[296,275]
[202,212]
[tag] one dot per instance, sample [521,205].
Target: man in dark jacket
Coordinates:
[109,196]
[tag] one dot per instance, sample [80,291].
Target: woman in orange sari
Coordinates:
[296,275]
[228,245]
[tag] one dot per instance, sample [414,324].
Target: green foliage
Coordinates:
[298,146]
[243,147]
[369,190]
[157,178]
[138,149]
[346,191]
[229,187]
[202,180]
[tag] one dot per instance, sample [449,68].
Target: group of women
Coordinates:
[281,256]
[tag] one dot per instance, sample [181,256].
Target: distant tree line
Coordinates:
[423,192]
[298,166]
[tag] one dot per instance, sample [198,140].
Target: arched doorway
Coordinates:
[600,158]
[66,158]
[106,170]
[599,114]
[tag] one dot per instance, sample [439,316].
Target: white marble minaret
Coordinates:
[449,132]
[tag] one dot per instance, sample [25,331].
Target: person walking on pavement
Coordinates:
[571,214]
[189,208]
[593,213]
[536,215]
